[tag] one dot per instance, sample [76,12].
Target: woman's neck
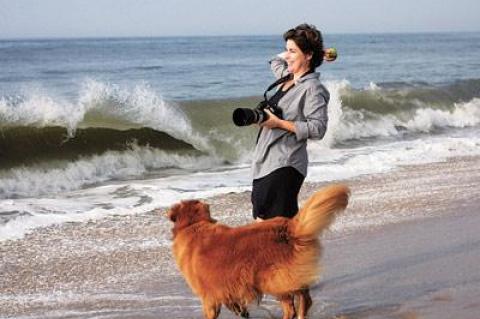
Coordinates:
[299,74]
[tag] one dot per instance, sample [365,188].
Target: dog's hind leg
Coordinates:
[238,309]
[304,303]
[211,309]
[288,306]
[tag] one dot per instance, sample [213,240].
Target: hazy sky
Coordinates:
[98,18]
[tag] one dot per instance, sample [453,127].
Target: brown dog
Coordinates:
[235,266]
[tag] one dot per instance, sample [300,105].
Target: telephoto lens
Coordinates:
[244,116]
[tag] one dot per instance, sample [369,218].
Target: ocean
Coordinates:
[97,127]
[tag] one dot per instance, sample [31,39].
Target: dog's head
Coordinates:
[187,213]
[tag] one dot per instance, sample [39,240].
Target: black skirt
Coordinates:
[277,193]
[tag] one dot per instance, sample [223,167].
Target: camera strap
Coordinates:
[284,79]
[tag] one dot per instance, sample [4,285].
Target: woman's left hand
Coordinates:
[272,122]
[275,122]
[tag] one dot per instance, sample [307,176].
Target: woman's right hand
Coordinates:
[282,55]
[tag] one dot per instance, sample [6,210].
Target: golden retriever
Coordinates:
[236,266]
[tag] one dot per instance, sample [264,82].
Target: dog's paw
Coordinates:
[238,309]
[244,313]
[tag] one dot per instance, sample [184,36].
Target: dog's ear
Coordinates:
[176,214]
[172,216]
[172,213]
[204,212]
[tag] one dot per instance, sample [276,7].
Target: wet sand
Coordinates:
[408,246]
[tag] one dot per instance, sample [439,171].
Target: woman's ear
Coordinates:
[309,56]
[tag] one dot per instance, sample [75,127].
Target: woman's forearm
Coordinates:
[287,125]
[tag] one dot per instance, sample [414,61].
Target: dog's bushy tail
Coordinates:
[319,211]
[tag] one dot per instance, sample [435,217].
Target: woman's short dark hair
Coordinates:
[309,40]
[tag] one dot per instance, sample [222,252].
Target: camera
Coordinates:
[245,116]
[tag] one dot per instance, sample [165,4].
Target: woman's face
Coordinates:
[297,61]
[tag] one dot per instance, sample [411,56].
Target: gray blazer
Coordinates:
[305,105]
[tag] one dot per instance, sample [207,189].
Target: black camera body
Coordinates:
[244,116]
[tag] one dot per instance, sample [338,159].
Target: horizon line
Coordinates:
[106,37]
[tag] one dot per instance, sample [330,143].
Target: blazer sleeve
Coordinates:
[278,66]
[315,112]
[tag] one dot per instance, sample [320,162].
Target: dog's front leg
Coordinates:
[288,306]
[211,309]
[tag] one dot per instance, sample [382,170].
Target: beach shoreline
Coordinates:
[120,266]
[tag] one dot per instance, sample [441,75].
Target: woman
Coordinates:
[280,157]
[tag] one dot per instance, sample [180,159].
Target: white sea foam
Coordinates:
[347,163]
[121,198]
[463,115]
[40,110]
[346,123]
[37,181]
[372,87]
[335,111]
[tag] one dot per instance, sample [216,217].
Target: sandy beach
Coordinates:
[407,247]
